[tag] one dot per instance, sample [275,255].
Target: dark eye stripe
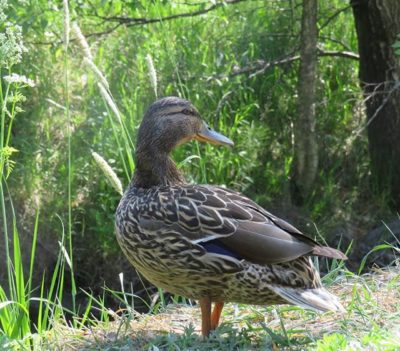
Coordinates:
[185,112]
[171,113]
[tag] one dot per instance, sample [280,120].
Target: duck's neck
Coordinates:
[155,168]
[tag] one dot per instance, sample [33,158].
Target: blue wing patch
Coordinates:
[215,246]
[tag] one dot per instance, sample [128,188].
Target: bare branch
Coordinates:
[345,54]
[104,32]
[279,62]
[135,21]
[260,66]
[336,41]
[388,96]
[331,18]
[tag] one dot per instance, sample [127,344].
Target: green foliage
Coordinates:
[196,58]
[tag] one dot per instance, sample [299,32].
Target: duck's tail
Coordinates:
[317,299]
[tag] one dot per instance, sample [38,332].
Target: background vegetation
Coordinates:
[236,61]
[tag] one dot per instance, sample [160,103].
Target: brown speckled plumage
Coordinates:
[168,229]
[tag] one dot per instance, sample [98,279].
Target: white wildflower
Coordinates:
[108,172]
[66,22]
[152,73]
[82,41]
[3,7]
[107,97]
[11,45]
[18,79]
[96,70]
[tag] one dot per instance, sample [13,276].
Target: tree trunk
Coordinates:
[305,165]
[377,24]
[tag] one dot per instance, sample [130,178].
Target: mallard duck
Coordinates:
[205,242]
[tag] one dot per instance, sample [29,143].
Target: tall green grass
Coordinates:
[16,299]
[14,302]
[67,28]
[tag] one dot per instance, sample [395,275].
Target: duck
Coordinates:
[206,242]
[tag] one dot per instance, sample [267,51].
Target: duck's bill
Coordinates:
[209,135]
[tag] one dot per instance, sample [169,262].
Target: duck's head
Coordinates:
[168,122]
[172,121]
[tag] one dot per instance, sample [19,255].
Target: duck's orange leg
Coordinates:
[216,314]
[205,306]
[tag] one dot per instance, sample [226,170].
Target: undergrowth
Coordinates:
[371,322]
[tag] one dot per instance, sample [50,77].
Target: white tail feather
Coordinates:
[315,299]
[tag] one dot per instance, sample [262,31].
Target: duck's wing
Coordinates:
[265,238]
[227,223]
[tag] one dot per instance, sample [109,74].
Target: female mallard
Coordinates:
[205,242]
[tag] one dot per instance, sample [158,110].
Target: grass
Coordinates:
[371,322]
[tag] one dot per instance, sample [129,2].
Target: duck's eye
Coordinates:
[186,111]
